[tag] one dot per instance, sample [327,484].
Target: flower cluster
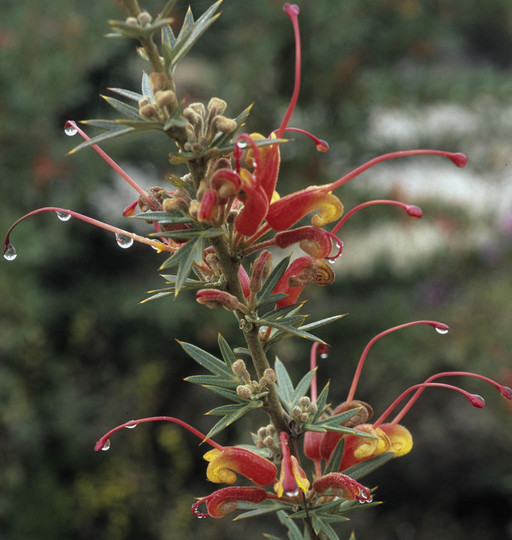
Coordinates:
[220,224]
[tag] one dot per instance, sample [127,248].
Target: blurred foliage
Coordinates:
[79,355]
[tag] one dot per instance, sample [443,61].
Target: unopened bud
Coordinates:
[217,106]
[225,125]
[262,432]
[304,401]
[147,111]
[158,81]
[304,417]
[164,97]
[269,376]
[144,18]
[260,271]
[296,412]
[240,369]
[221,298]
[244,391]
[131,21]
[312,408]
[269,442]
[271,429]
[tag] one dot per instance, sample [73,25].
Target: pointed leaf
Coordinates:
[103,137]
[135,96]
[208,361]
[272,281]
[335,459]
[162,217]
[284,386]
[229,419]
[366,467]
[123,108]
[227,353]
[303,387]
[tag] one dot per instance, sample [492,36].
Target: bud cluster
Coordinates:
[304,411]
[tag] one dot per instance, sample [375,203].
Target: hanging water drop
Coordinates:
[63,216]
[441,331]
[10,252]
[70,130]
[106,446]
[131,426]
[124,241]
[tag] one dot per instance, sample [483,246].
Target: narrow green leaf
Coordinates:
[207,360]
[366,467]
[321,403]
[284,384]
[321,525]
[162,217]
[147,89]
[228,420]
[135,96]
[189,233]
[272,281]
[168,37]
[103,137]
[212,380]
[291,330]
[335,459]
[293,530]
[123,108]
[322,322]
[225,350]
[303,387]
[258,509]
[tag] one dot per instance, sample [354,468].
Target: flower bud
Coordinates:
[147,111]
[304,402]
[269,441]
[214,298]
[158,81]
[225,125]
[144,18]
[217,106]
[262,432]
[269,376]
[164,98]
[244,391]
[260,271]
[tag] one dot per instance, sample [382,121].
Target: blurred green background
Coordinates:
[79,355]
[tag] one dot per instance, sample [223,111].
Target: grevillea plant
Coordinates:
[225,235]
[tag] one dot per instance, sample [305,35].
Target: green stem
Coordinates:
[230,265]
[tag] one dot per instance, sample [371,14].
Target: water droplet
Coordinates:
[124,241]
[63,216]
[106,446]
[292,493]
[441,331]
[70,130]
[241,144]
[10,252]
[131,426]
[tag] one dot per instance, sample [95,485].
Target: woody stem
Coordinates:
[230,266]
